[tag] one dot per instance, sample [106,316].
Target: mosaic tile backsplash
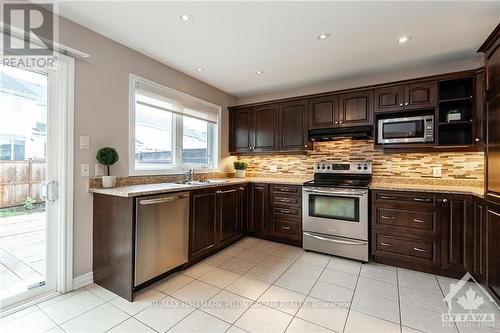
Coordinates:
[467,166]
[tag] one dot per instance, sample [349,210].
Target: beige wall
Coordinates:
[370,80]
[101,112]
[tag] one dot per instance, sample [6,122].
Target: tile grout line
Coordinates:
[352,298]
[399,302]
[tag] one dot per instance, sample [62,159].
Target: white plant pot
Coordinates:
[108,181]
[241,173]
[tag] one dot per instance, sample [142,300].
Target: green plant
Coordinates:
[107,156]
[28,203]
[239,165]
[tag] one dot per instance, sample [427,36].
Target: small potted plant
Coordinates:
[240,168]
[107,156]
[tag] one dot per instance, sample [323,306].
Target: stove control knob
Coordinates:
[359,166]
[323,167]
[328,167]
[318,167]
[366,168]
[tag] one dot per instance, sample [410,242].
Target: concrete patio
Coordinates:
[22,252]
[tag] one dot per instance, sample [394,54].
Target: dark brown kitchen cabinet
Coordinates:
[241,130]
[203,232]
[356,109]
[419,95]
[229,205]
[259,194]
[457,213]
[323,112]
[265,127]
[480,97]
[293,125]
[492,220]
[430,232]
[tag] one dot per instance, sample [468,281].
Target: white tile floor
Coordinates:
[261,286]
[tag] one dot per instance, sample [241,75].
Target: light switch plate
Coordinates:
[436,171]
[98,170]
[84,142]
[273,168]
[84,170]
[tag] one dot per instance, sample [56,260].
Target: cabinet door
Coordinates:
[479,240]
[356,109]
[265,128]
[389,99]
[229,213]
[323,112]
[293,125]
[458,233]
[203,233]
[241,132]
[258,210]
[420,95]
[493,248]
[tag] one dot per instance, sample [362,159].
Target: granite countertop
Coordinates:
[150,189]
[451,189]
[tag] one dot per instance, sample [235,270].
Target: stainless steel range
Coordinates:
[335,209]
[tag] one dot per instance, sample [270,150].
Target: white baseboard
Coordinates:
[83,280]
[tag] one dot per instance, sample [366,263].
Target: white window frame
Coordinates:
[176,147]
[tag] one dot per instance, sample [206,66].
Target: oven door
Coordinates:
[402,130]
[336,212]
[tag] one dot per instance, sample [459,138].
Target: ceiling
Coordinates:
[232,40]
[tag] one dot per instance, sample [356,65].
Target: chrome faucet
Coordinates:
[188,175]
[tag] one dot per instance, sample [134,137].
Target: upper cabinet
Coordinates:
[356,109]
[241,130]
[293,125]
[265,128]
[411,96]
[323,112]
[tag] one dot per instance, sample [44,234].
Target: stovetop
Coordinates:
[341,174]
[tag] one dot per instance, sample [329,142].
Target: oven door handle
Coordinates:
[335,240]
[353,193]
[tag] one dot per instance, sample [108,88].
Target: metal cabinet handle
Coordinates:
[305,146]
[443,200]
[242,188]
[400,104]
[285,211]
[385,244]
[421,200]
[386,197]
[340,122]
[285,227]
[418,221]
[218,191]
[419,249]
[387,217]
[162,200]
[336,122]
[477,139]
[406,103]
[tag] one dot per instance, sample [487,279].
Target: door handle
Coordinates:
[51,191]
[285,227]
[418,221]
[386,197]
[419,249]
[385,244]
[284,211]
[421,200]
[387,217]
[162,200]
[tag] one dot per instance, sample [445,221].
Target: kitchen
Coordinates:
[369,204]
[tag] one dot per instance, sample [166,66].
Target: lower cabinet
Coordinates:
[216,218]
[492,248]
[276,213]
[430,232]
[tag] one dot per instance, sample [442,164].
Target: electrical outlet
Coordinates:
[273,168]
[99,169]
[84,142]
[84,170]
[436,171]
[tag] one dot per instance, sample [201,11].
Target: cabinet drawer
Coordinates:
[280,200]
[286,190]
[285,227]
[407,247]
[288,213]
[415,198]
[420,220]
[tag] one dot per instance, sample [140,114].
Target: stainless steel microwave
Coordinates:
[406,130]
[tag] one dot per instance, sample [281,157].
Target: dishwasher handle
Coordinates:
[162,200]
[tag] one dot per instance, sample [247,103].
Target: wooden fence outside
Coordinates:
[19,180]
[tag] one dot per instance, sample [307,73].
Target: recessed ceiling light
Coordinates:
[323,36]
[259,72]
[199,69]
[186,17]
[404,39]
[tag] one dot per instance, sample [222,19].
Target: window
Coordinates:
[170,130]
[11,149]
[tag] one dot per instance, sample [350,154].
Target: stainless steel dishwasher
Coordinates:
[161,238]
